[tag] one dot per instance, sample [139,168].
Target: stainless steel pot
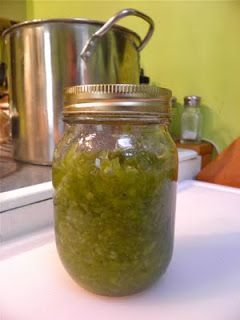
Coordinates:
[44,56]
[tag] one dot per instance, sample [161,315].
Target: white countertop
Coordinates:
[202,281]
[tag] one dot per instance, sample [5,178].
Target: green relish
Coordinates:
[114,217]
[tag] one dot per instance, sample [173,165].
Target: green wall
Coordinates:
[13,9]
[195,50]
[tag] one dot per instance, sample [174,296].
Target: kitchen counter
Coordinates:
[202,281]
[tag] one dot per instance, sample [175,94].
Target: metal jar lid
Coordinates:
[117,101]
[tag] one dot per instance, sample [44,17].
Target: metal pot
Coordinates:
[44,56]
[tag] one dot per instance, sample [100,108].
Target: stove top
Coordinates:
[16,174]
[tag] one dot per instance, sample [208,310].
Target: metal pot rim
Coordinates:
[69,21]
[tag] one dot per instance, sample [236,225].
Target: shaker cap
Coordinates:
[192,100]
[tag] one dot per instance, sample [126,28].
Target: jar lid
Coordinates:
[117,100]
[192,100]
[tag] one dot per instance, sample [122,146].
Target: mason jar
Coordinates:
[114,176]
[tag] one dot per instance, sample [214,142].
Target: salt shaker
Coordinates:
[191,120]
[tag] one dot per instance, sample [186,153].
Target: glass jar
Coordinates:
[114,175]
[191,120]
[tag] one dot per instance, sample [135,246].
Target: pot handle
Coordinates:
[91,43]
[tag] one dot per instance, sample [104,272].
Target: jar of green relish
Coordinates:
[114,175]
